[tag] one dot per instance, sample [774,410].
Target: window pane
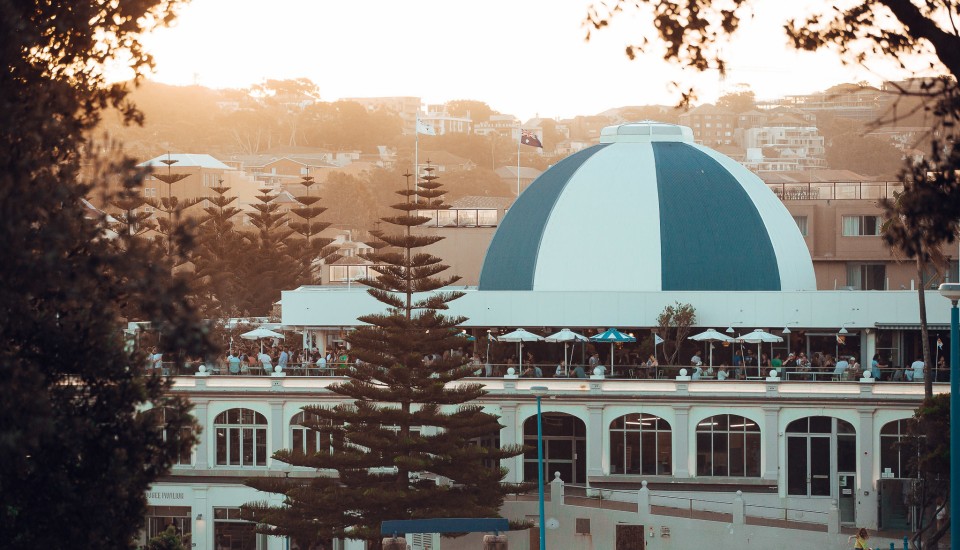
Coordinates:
[801,224]
[854,278]
[720,455]
[851,226]
[233,436]
[617,452]
[296,441]
[752,455]
[487,217]
[261,439]
[737,456]
[247,447]
[846,453]
[559,448]
[664,454]
[648,445]
[821,424]
[221,446]
[819,466]
[704,455]
[797,465]
[466,218]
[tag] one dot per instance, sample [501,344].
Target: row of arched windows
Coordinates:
[727,445]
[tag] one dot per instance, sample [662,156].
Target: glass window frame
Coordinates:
[241,438]
[717,432]
[654,433]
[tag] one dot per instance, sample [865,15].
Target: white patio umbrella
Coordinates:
[260,334]
[566,336]
[758,337]
[613,336]
[520,335]
[710,335]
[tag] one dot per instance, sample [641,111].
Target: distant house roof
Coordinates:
[511,172]
[482,202]
[787,120]
[443,158]
[192,160]
[708,109]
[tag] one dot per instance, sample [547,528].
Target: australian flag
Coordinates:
[529,138]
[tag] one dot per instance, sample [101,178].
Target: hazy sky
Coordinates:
[524,57]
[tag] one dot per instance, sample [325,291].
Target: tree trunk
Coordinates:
[924,336]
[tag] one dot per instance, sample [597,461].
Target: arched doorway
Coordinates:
[564,448]
[822,461]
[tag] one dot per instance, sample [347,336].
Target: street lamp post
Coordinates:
[951,291]
[539,392]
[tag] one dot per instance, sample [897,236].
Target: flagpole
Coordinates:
[416,158]
[519,139]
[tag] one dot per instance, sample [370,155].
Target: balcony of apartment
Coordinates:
[460,217]
[836,190]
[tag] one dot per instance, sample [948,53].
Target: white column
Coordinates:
[683,460]
[203,448]
[596,440]
[866,485]
[276,434]
[869,339]
[511,434]
[770,436]
[203,528]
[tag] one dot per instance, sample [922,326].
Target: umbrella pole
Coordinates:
[611,360]
[711,352]
[520,366]
[759,354]
[566,365]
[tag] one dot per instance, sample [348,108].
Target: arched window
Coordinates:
[564,448]
[640,444]
[308,441]
[728,445]
[241,438]
[160,417]
[896,459]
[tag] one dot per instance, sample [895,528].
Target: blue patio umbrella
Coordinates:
[613,336]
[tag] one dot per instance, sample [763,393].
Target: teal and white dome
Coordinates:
[647,210]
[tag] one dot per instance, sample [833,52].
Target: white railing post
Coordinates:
[643,502]
[556,489]
[833,519]
[739,509]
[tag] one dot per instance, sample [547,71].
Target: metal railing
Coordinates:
[836,190]
[548,370]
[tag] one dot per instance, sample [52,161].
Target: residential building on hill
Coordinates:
[863,103]
[406,107]
[712,126]
[444,123]
[503,125]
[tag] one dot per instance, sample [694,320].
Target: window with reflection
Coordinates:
[241,438]
[640,444]
[160,416]
[317,439]
[728,445]
[446,218]
[897,457]
[486,218]
[466,218]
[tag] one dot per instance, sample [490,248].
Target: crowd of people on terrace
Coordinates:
[252,359]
